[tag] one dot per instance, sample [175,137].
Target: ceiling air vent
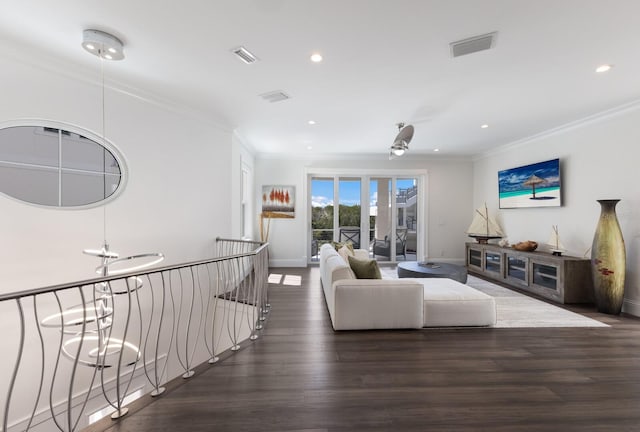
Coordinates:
[473,44]
[243,54]
[275,96]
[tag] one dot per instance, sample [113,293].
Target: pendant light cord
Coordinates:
[104,145]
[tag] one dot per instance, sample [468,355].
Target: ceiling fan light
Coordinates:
[401,143]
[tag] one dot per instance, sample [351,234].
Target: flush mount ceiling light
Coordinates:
[401,143]
[311,122]
[102,44]
[484,126]
[316,58]
[604,68]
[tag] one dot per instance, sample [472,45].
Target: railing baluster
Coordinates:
[120,411]
[212,306]
[16,367]
[42,363]
[235,273]
[189,371]
[93,377]
[55,369]
[178,354]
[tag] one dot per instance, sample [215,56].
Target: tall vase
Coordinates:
[608,260]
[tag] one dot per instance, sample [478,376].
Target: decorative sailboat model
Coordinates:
[483,227]
[556,246]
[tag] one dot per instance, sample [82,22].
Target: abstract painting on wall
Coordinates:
[279,202]
[535,185]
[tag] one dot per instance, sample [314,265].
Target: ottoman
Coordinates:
[448,303]
[413,269]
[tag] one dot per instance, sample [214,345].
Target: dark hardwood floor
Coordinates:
[302,376]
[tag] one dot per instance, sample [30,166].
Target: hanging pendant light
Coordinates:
[108,47]
[101,341]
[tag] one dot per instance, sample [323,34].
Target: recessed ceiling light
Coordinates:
[311,122]
[436,150]
[112,50]
[604,68]
[89,46]
[309,147]
[108,57]
[484,126]
[316,58]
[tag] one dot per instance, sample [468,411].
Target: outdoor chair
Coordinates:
[350,234]
[383,247]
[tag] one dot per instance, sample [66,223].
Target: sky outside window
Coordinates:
[322,192]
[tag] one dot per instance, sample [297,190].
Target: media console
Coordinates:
[563,279]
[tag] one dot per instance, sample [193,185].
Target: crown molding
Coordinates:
[311,156]
[245,144]
[576,124]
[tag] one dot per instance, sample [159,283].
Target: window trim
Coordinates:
[98,139]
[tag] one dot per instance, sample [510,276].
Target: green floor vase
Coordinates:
[608,260]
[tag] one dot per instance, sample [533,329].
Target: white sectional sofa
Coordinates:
[360,304]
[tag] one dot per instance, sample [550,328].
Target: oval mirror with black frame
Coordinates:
[50,165]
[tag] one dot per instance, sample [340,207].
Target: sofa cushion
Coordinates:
[337,269]
[364,269]
[338,245]
[450,303]
[345,253]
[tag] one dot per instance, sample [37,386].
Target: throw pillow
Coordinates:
[345,253]
[365,269]
[338,245]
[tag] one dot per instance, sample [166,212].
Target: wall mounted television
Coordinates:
[535,185]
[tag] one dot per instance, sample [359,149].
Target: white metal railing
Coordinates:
[74,349]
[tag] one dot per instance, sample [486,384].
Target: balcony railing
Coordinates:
[73,352]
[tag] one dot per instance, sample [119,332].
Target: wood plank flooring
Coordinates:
[302,376]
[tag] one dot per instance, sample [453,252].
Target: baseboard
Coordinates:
[299,262]
[631,307]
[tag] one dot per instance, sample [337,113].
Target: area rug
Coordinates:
[519,310]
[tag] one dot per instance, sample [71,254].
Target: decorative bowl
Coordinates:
[526,246]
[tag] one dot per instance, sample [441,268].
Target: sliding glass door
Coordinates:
[321,214]
[378,213]
[380,190]
[407,217]
[349,211]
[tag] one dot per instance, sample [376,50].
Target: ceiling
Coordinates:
[385,61]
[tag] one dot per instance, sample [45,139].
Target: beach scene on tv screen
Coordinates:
[535,185]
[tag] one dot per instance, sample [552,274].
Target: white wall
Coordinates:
[175,201]
[449,198]
[599,160]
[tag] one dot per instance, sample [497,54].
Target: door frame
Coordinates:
[365,176]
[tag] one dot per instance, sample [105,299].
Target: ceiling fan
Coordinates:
[401,143]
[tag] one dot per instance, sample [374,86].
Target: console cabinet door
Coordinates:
[475,258]
[517,269]
[493,263]
[546,279]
